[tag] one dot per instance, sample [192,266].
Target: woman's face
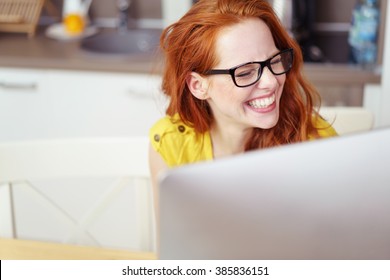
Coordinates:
[253,106]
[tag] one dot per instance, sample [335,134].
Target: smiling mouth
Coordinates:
[261,103]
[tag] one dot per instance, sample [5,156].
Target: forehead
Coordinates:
[248,40]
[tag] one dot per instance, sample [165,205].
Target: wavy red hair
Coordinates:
[189,45]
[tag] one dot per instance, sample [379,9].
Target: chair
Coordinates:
[348,119]
[22,164]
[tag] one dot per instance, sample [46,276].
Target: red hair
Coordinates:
[189,45]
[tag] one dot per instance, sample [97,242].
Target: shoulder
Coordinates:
[169,129]
[324,129]
[177,142]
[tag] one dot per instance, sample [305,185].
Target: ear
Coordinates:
[198,85]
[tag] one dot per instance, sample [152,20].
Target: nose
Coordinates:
[267,79]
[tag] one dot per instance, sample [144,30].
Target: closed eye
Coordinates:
[246,73]
[276,61]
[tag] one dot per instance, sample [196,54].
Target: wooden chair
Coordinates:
[28,161]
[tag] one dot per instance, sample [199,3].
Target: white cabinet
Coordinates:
[103,104]
[46,103]
[52,104]
[22,97]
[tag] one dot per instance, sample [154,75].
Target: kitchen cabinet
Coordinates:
[36,104]
[104,104]
[55,103]
[22,97]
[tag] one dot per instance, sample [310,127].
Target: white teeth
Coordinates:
[263,102]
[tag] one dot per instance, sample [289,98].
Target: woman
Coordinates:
[233,79]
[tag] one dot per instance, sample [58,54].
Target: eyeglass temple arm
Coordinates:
[218,71]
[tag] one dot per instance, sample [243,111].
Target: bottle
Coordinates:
[364,32]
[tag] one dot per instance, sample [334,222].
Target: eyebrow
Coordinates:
[253,61]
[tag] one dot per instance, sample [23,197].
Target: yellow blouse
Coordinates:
[178,143]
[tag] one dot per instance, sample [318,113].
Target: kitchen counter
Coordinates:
[16,50]
[41,52]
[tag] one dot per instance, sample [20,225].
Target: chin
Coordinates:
[268,126]
[267,122]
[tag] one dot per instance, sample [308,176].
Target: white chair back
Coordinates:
[125,160]
[348,119]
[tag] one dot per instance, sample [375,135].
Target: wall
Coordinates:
[149,9]
[139,8]
[148,13]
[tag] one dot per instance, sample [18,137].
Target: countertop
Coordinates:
[40,52]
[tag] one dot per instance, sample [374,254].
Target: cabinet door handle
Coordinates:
[139,94]
[18,86]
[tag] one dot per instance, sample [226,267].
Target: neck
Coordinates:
[228,141]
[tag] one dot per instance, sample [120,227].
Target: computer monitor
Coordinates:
[324,199]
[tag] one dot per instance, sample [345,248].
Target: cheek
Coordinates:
[222,88]
[221,82]
[281,82]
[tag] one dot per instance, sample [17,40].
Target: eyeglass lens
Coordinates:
[250,73]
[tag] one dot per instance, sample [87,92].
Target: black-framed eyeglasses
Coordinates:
[249,73]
